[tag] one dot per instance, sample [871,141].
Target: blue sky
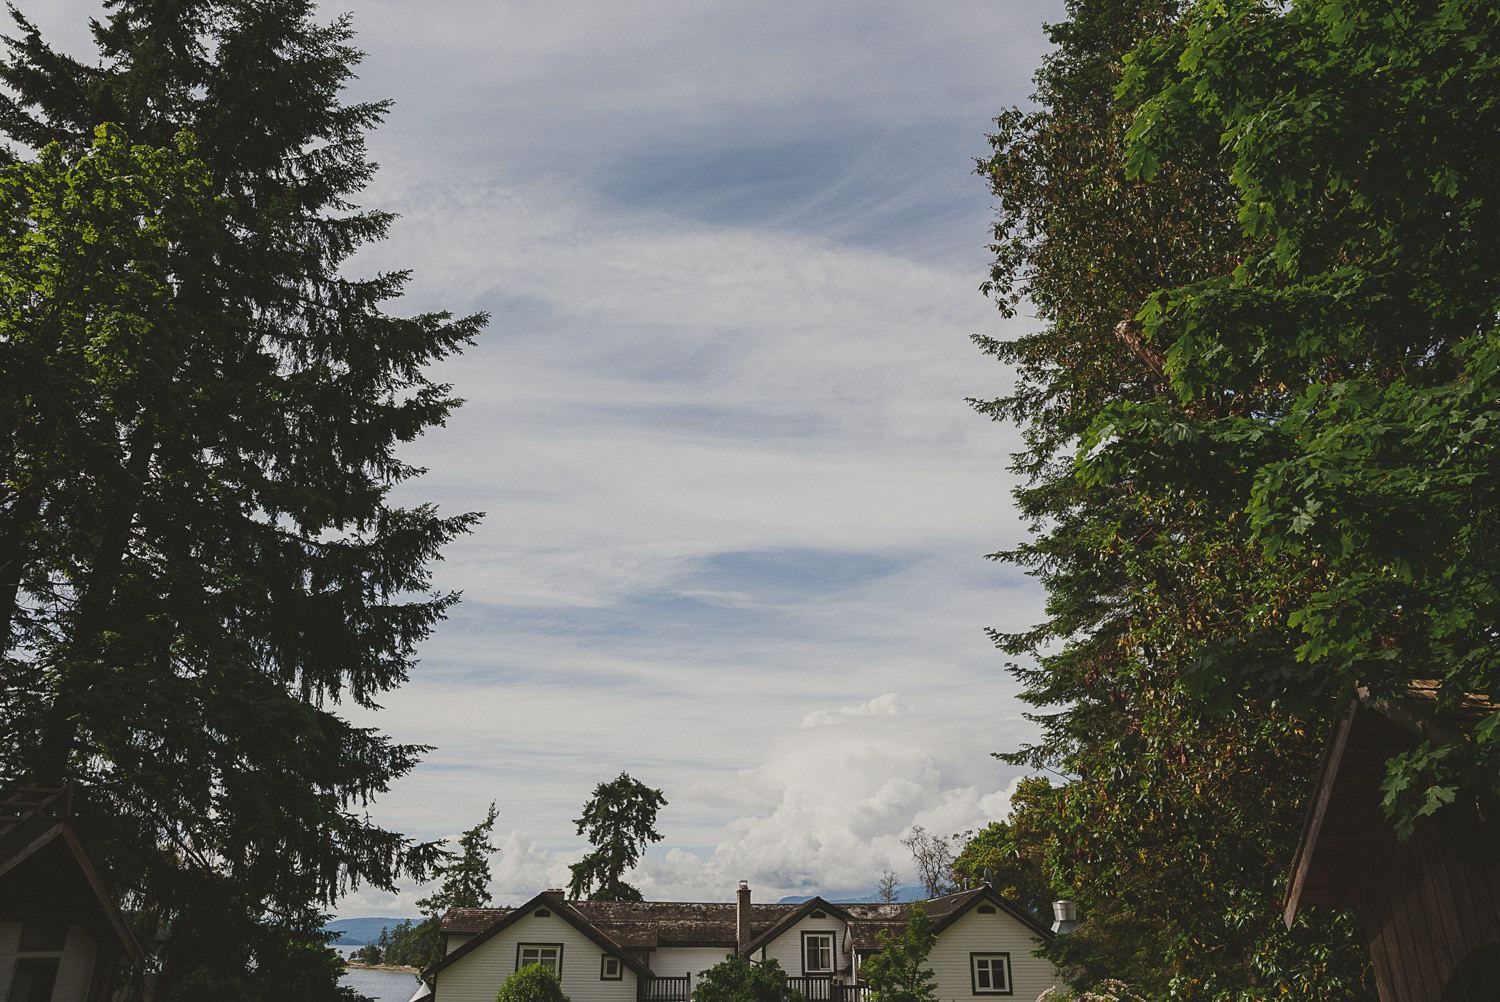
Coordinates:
[736,505]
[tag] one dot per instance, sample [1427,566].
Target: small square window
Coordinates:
[991,973]
[610,969]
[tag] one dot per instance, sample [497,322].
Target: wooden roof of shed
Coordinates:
[1346,797]
[37,847]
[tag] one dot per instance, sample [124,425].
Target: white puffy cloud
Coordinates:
[885,705]
[823,813]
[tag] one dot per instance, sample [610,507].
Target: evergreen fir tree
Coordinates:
[199,554]
[620,821]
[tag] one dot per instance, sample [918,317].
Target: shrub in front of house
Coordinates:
[737,980]
[532,983]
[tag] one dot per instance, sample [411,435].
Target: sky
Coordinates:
[736,507]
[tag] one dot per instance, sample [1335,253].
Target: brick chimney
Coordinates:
[742,918]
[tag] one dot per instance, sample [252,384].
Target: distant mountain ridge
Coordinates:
[906,892]
[359,931]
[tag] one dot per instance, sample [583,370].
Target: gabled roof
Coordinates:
[559,906]
[949,908]
[797,914]
[471,920]
[34,837]
[866,920]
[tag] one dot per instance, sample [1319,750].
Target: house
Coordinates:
[654,951]
[1429,906]
[61,937]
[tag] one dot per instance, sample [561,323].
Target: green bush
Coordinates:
[532,983]
[738,980]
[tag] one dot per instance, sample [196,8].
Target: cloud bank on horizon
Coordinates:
[736,506]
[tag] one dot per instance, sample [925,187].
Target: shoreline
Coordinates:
[394,969]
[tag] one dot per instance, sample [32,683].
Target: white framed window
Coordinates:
[817,953]
[610,969]
[991,973]
[547,954]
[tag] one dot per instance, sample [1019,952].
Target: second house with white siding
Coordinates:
[654,951]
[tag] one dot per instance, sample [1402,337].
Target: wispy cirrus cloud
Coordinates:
[735,505]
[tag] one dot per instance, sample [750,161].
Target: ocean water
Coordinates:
[382,986]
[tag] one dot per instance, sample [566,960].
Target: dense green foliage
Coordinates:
[735,979]
[411,944]
[1262,240]
[199,417]
[532,983]
[1009,851]
[619,821]
[1360,341]
[465,883]
[898,973]
[1256,448]
[370,953]
[465,875]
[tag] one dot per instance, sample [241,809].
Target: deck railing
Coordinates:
[826,990]
[667,989]
[670,989]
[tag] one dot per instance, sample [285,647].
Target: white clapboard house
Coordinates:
[653,951]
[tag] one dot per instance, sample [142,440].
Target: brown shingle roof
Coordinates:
[681,923]
[643,925]
[647,925]
[471,920]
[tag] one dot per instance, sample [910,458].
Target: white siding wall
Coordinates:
[998,933]
[675,961]
[457,939]
[74,969]
[478,976]
[786,949]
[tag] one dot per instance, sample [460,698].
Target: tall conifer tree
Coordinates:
[200,558]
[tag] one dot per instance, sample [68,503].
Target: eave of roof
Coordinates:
[1345,801]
